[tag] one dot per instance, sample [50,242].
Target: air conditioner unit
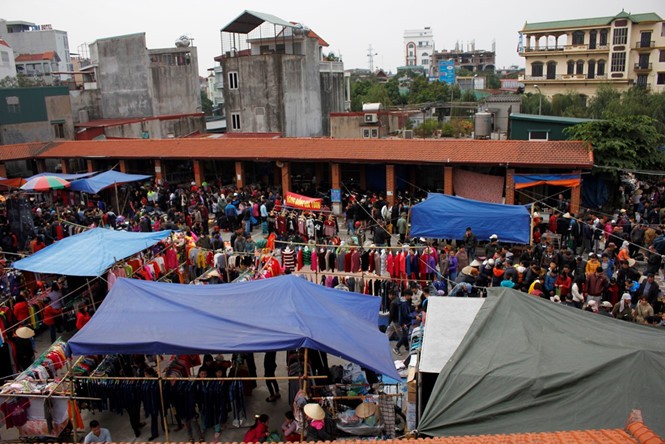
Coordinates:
[371,118]
[408,134]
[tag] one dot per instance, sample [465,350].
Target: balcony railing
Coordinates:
[331,66]
[563,77]
[643,66]
[650,44]
[567,48]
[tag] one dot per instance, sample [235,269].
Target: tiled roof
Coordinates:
[593,21]
[4,43]
[21,150]
[556,154]
[49,55]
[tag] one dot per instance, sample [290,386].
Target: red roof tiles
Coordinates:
[4,43]
[553,154]
[49,55]
[21,150]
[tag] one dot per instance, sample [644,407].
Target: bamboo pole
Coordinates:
[531,225]
[161,399]
[92,298]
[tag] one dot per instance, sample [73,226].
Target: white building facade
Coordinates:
[418,47]
[7,65]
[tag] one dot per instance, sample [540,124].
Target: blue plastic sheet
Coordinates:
[90,253]
[281,313]
[95,184]
[447,217]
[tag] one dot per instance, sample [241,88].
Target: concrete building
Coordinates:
[216,89]
[276,80]
[502,106]
[129,91]
[471,60]
[418,47]
[7,64]
[27,39]
[624,50]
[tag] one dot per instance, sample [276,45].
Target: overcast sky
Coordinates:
[348,26]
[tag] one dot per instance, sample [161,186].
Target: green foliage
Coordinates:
[447,130]
[530,103]
[206,104]
[20,81]
[570,104]
[626,142]
[427,128]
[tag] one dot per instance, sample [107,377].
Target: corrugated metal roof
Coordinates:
[554,154]
[557,119]
[249,20]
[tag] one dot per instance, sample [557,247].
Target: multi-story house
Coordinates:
[39,50]
[624,50]
[471,60]
[418,47]
[277,79]
[7,64]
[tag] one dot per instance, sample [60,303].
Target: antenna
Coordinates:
[370,56]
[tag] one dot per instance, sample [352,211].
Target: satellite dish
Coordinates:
[183,42]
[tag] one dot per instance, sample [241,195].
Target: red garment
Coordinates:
[257,434]
[82,319]
[21,311]
[50,315]
[390,265]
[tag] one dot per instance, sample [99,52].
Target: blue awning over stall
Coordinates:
[95,184]
[281,313]
[89,253]
[446,217]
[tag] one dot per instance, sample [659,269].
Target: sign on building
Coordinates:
[447,71]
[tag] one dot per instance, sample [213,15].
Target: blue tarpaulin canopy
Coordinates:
[95,184]
[281,313]
[90,253]
[446,217]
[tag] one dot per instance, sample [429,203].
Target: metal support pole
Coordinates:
[161,399]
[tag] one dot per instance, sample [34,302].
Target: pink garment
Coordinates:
[171,259]
[111,278]
[390,265]
[315,260]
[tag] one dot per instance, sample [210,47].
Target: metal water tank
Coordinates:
[483,125]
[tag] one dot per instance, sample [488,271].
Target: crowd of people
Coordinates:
[609,264]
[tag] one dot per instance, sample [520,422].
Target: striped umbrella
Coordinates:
[45,183]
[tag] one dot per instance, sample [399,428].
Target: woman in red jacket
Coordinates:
[82,317]
[21,309]
[50,316]
[259,431]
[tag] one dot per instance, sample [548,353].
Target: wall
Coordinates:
[26,132]
[519,129]
[332,97]
[502,112]
[7,68]
[123,76]
[86,100]
[175,88]
[59,108]
[276,92]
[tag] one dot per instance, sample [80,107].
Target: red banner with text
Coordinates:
[294,200]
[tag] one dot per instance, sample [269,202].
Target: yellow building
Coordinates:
[579,55]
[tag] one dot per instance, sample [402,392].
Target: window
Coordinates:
[59,130]
[643,61]
[580,67]
[661,57]
[537,69]
[571,68]
[13,105]
[601,68]
[233,80]
[592,39]
[4,57]
[660,78]
[641,80]
[578,38]
[539,135]
[603,37]
[620,36]
[551,70]
[618,62]
[235,121]
[591,71]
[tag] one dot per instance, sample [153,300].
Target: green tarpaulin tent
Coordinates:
[529,365]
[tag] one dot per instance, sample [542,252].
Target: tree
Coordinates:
[206,104]
[622,142]
[20,81]
[427,128]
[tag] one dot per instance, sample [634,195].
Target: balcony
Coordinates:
[642,67]
[650,44]
[325,66]
[563,78]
